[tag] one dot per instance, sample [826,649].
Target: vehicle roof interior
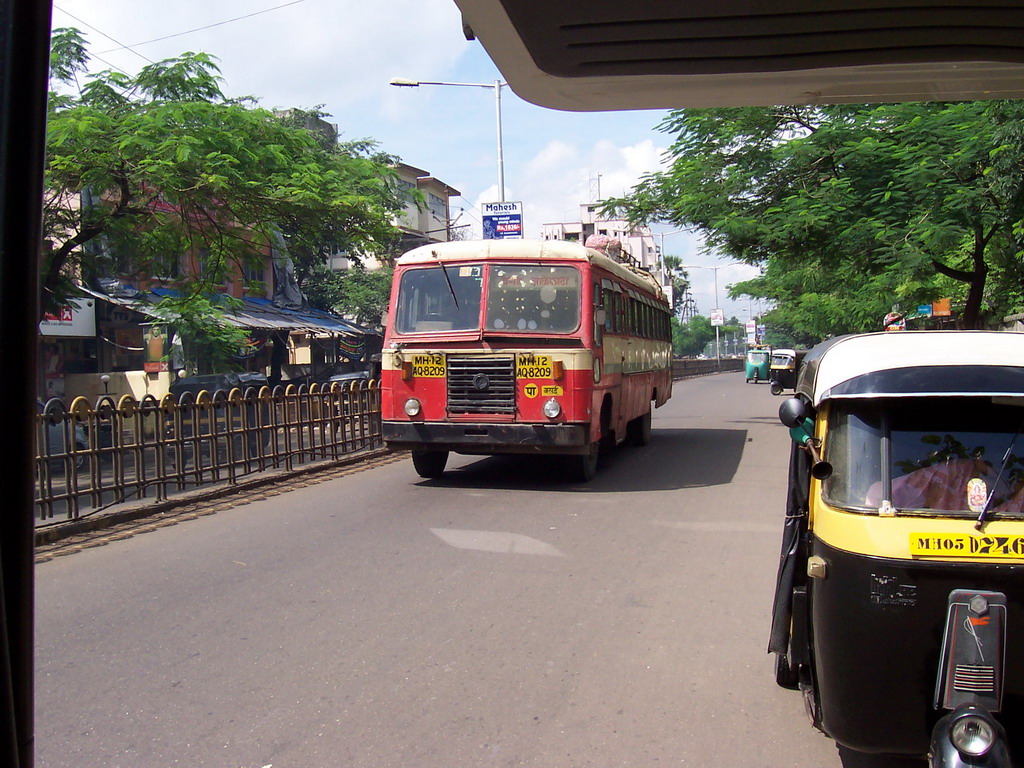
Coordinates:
[644,54]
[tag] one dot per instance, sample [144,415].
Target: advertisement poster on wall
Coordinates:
[154,338]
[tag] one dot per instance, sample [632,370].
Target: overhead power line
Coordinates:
[101,32]
[197,29]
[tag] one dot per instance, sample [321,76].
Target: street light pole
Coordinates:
[718,342]
[497,85]
[501,153]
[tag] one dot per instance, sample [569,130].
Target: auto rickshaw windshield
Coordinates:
[941,455]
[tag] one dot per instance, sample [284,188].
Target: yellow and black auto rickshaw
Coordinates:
[782,371]
[899,607]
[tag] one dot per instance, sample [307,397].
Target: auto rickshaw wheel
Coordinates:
[776,388]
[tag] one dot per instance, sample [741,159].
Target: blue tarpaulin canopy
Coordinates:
[255,314]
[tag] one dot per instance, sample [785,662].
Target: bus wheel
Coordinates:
[429,464]
[639,430]
[585,465]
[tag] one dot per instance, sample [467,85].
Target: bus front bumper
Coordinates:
[487,438]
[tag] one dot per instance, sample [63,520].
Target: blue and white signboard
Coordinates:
[502,221]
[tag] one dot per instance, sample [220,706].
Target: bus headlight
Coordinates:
[552,409]
[972,735]
[412,407]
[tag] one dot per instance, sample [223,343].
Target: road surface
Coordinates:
[500,616]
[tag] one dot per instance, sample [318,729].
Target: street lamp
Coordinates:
[663,235]
[718,342]
[497,85]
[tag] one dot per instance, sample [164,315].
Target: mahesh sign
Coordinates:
[502,221]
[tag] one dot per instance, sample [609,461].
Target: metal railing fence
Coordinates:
[92,456]
[685,368]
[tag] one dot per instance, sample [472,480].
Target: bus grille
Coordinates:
[481,385]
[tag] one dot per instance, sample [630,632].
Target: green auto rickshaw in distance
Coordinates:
[758,361]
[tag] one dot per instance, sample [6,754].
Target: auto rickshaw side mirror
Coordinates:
[796,414]
[793,412]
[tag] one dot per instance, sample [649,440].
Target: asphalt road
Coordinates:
[498,617]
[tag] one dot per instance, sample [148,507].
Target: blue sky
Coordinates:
[341,54]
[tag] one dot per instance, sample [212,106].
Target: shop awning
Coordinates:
[254,314]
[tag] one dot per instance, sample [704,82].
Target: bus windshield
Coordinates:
[440,298]
[533,298]
[927,455]
[519,298]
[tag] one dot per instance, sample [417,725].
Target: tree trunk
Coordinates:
[975,279]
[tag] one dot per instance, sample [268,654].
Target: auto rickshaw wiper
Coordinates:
[980,522]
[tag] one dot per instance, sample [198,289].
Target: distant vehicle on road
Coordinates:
[521,346]
[783,370]
[757,367]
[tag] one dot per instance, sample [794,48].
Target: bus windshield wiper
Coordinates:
[1006,462]
[448,280]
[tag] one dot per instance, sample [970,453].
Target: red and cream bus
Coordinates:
[521,346]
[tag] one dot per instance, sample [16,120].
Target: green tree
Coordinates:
[358,293]
[679,280]
[167,167]
[690,338]
[851,209]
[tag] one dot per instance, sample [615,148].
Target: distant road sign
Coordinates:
[718,317]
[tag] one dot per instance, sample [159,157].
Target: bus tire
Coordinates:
[639,430]
[585,465]
[429,464]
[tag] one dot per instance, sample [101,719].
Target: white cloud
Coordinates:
[313,52]
[562,176]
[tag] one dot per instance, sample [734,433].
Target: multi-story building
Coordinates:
[431,223]
[638,244]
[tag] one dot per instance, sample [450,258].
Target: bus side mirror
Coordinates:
[384,320]
[600,316]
